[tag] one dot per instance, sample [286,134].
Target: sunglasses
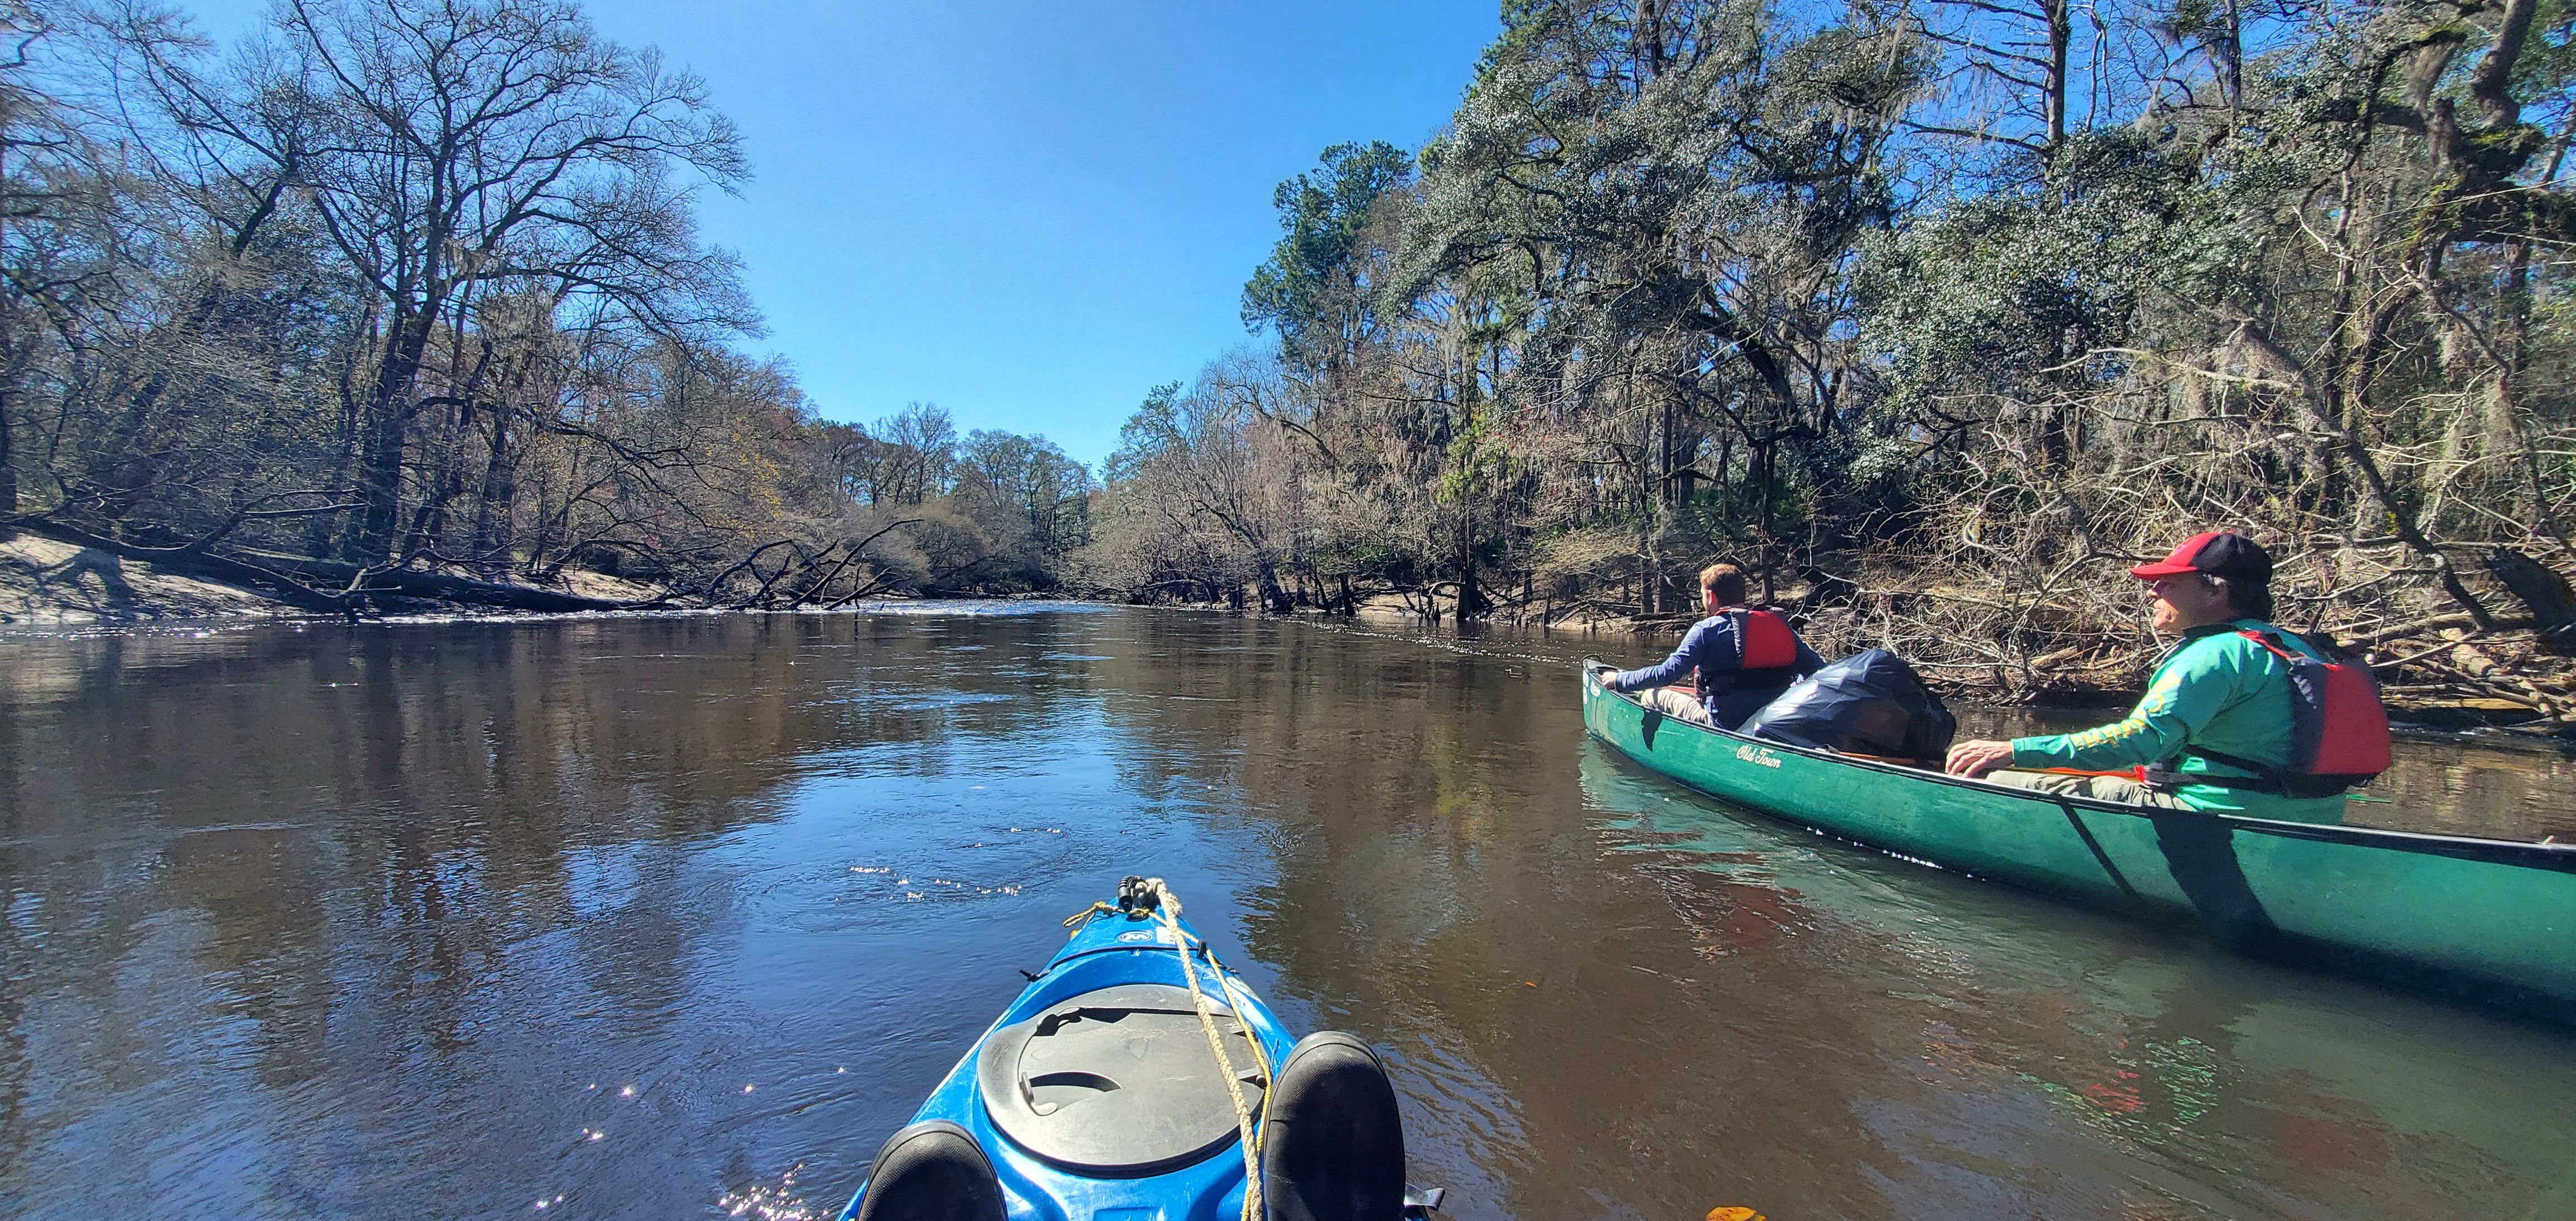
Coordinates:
[2156,588]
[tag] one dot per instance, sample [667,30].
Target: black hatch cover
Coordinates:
[1118,1080]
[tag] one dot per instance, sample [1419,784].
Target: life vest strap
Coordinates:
[2274,781]
[2260,770]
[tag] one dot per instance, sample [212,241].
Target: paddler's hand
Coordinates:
[1973,759]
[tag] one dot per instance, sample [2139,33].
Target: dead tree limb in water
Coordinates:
[2544,592]
[438,586]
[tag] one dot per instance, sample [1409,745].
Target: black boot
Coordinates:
[1332,1148]
[931,1171]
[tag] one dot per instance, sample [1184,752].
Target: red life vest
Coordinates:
[1765,640]
[2338,728]
[1766,656]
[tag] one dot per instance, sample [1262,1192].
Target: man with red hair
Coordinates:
[1740,658]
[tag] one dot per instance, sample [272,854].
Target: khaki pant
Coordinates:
[2100,788]
[1679,705]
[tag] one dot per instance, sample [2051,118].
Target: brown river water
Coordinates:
[680,917]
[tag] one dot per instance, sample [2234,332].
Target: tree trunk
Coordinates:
[18,340]
[1763,460]
[1664,478]
[8,460]
[2544,591]
[1725,476]
[494,519]
[387,420]
[1273,598]
[1470,603]
[2061,32]
[379,485]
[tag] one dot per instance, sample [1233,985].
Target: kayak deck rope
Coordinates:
[1097,906]
[1167,908]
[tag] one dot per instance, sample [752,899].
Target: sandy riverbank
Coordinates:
[46,583]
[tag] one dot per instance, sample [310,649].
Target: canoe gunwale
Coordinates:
[2555,857]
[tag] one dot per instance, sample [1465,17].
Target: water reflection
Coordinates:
[2046,1060]
[653,916]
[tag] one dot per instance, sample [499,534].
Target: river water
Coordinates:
[680,917]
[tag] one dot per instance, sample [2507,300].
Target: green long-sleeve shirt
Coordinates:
[2217,690]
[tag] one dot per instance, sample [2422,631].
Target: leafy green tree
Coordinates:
[1315,290]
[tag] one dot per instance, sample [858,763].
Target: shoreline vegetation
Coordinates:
[48,583]
[1932,317]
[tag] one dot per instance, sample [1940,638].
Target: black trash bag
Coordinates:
[1870,703]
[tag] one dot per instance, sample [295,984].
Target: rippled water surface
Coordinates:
[680,917]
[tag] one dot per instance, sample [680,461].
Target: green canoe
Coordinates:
[2493,919]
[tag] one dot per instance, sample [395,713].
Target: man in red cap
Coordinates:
[2215,728]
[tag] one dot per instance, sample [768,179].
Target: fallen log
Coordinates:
[288,578]
[2500,680]
[436,586]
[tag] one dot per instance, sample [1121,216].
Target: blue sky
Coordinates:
[1026,213]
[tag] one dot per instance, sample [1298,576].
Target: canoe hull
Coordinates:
[2486,917]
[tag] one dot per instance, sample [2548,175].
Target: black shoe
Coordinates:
[931,1171]
[1332,1148]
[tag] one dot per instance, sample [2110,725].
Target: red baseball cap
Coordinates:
[2220,553]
